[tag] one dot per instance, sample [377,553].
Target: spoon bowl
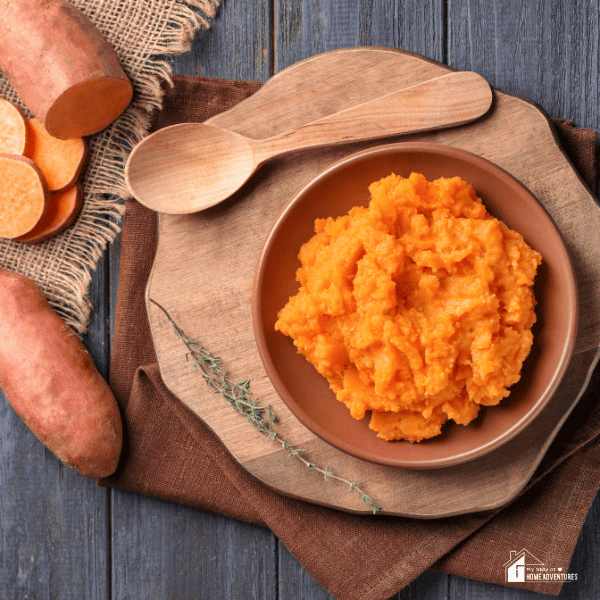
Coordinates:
[203,165]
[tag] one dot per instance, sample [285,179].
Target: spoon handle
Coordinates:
[446,101]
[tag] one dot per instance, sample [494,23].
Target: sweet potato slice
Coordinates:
[52,383]
[61,161]
[62,67]
[23,195]
[13,129]
[62,210]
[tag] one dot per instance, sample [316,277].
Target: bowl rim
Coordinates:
[341,444]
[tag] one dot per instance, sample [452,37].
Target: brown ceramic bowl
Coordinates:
[332,193]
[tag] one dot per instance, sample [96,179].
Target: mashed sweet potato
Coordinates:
[417,308]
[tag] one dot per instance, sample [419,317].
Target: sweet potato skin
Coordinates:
[49,50]
[52,383]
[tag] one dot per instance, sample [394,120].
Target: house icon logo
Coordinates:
[514,568]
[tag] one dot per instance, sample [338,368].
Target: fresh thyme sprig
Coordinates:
[242,401]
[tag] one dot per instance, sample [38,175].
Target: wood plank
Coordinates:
[295,582]
[162,550]
[430,584]
[237,45]
[96,338]
[159,549]
[305,28]
[54,523]
[586,558]
[523,48]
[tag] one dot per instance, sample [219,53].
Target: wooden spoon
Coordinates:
[189,167]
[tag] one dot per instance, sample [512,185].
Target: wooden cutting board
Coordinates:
[204,267]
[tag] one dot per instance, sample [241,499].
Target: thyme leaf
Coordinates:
[242,401]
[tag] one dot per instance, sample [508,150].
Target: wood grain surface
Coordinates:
[108,544]
[211,299]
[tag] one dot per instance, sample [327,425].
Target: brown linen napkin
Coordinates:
[165,441]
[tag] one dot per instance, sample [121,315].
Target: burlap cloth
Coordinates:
[143,33]
[170,454]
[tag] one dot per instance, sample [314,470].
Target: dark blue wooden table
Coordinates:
[62,537]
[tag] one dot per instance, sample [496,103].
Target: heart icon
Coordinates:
[560,568]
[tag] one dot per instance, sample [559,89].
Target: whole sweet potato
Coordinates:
[62,67]
[52,383]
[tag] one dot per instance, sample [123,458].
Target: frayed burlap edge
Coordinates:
[144,33]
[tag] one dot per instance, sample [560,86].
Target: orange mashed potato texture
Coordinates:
[417,308]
